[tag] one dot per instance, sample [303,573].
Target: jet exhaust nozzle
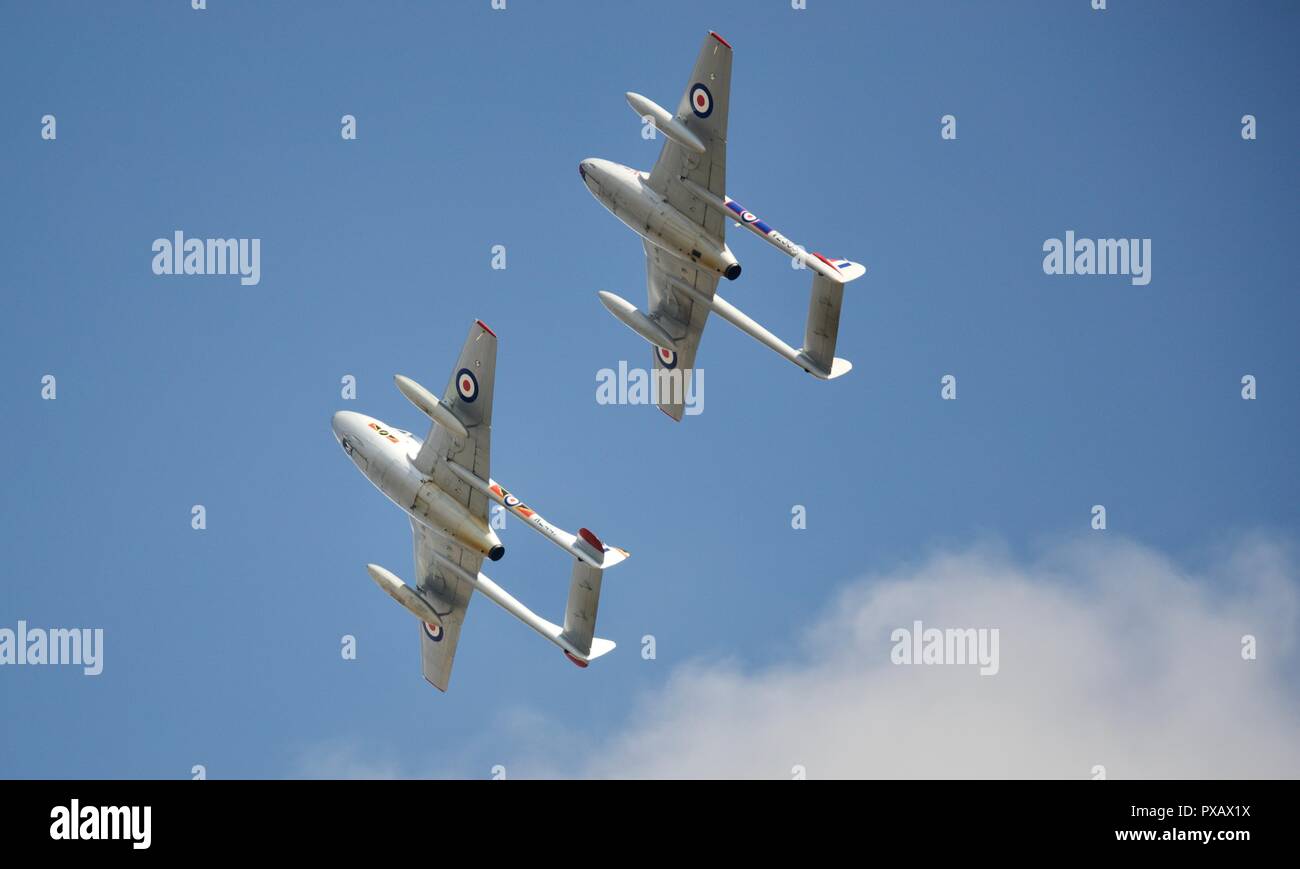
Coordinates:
[496,552]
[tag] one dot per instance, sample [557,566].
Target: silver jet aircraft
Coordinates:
[443,485]
[680,209]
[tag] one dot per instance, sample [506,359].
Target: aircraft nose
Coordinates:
[582,170]
[340,423]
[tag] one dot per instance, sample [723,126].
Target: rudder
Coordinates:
[823,326]
[584,601]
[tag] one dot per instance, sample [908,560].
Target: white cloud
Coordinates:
[1110,654]
[342,759]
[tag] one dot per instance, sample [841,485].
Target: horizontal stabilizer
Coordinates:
[822,329]
[839,368]
[842,270]
[600,647]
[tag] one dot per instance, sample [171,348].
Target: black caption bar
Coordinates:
[320,817]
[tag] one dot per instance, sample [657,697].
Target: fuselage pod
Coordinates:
[625,193]
[384,454]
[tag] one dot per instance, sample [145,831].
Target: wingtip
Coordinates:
[668,413]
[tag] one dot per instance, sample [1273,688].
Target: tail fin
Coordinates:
[584,602]
[822,330]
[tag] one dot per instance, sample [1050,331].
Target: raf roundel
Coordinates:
[433,632]
[666,357]
[466,385]
[511,501]
[701,101]
[748,216]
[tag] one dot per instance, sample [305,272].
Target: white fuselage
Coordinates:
[386,456]
[626,193]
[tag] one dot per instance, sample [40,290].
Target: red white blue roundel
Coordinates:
[667,357]
[466,385]
[701,101]
[433,632]
[748,216]
[511,501]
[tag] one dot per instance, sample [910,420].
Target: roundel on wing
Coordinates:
[433,632]
[701,101]
[667,357]
[466,385]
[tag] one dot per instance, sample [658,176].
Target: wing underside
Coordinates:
[703,109]
[468,396]
[449,595]
[670,281]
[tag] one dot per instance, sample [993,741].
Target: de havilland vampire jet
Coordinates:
[443,485]
[680,209]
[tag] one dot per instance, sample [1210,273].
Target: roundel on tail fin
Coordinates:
[701,100]
[466,385]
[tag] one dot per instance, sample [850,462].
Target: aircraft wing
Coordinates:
[680,314]
[449,596]
[469,398]
[702,110]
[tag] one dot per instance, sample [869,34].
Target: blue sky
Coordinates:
[222,645]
